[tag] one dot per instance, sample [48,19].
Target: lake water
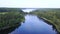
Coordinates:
[34,25]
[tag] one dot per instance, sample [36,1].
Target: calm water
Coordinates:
[34,25]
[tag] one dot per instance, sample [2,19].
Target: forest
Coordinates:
[50,14]
[10,17]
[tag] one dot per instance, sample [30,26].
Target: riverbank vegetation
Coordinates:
[10,17]
[51,15]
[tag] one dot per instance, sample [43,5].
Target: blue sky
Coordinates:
[30,3]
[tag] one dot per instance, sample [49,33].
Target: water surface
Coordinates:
[34,25]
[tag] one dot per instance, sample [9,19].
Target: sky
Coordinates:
[30,3]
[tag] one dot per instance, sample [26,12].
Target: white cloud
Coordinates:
[30,3]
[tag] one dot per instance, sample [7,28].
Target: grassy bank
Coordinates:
[10,17]
[51,15]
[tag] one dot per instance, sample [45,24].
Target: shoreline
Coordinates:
[8,29]
[50,23]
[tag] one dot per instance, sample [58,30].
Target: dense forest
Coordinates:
[52,15]
[10,17]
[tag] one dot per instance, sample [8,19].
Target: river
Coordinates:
[34,25]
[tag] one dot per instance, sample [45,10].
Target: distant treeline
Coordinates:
[10,9]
